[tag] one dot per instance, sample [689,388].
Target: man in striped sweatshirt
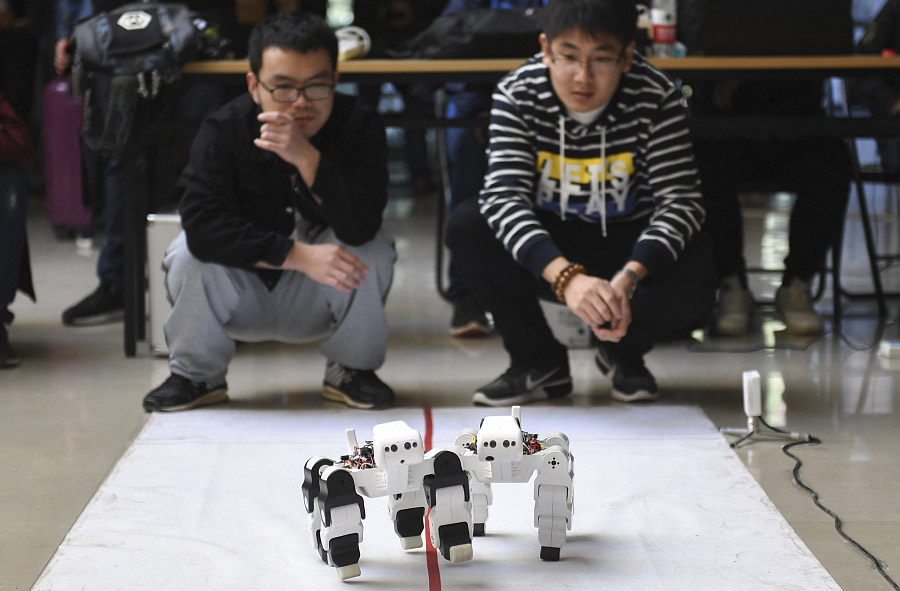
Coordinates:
[591,196]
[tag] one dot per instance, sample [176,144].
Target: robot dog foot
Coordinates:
[409,524]
[549,553]
[447,492]
[344,555]
[348,572]
[455,543]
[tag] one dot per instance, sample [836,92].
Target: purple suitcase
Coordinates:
[62,158]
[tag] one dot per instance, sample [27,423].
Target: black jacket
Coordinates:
[239,201]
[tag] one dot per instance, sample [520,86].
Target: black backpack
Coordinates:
[140,46]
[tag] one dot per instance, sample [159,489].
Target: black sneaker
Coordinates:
[8,356]
[631,380]
[359,388]
[469,318]
[179,393]
[523,385]
[105,304]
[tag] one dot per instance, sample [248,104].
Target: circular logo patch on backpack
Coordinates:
[134,20]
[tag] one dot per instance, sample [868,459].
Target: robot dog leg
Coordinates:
[342,511]
[312,474]
[450,518]
[554,500]
[482,497]
[407,511]
[479,483]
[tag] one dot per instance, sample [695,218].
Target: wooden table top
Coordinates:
[694,63]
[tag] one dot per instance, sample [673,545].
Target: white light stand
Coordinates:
[755,424]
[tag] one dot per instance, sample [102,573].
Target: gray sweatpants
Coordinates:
[214,304]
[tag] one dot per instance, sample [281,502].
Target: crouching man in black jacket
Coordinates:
[282,238]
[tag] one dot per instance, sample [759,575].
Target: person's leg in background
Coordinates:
[106,303]
[13,212]
[722,165]
[468,164]
[819,173]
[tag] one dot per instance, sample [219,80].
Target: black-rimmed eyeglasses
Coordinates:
[570,65]
[289,94]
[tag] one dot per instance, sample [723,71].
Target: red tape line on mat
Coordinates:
[431,556]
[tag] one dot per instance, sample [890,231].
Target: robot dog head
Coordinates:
[499,439]
[397,444]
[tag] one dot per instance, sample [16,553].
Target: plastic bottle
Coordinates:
[644,33]
[663,15]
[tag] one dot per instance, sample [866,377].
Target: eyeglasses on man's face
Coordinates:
[289,94]
[570,65]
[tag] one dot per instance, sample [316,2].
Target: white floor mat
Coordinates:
[210,499]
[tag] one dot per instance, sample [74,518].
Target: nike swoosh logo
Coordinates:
[532,384]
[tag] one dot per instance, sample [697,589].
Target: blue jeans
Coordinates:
[13,211]
[110,265]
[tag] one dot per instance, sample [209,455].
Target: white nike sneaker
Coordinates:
[521,385]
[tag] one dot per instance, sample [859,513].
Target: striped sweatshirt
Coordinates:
[634,162]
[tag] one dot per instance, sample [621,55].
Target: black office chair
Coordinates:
[861,174]
[871,174]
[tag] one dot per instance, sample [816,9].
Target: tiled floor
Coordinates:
[74,405]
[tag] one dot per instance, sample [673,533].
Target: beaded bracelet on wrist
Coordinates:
[565,276]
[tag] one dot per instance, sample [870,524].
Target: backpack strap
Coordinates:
[110,133]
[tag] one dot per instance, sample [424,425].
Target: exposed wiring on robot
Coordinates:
[879,565]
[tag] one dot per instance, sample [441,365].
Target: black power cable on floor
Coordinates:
[880,566]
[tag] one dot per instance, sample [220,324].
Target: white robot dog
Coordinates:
[454,483]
